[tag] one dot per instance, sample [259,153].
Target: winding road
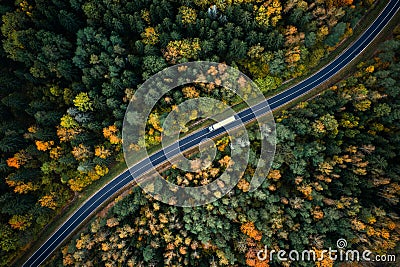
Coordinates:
[279,100]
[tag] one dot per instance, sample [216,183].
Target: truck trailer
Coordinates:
[222,123]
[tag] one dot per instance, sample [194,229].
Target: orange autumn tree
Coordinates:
[226,161]
[110,133]
[101,152]
[19,159]
[190,92]
[13,162]
[274,175]
[326,261]
[250,230]
[43,145]
[65,134]
[21,187]
[24,188]
[243,185]
[251,255]
[222,144]
[20,222]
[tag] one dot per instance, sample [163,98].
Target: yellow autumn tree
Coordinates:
[83,102]
[293,56]
[190,92]
[24,188]
[48,201]
[102,152]
[317,213]
[339,3]
[150,36]
[79,183]
[145,15]
[83,179]
[306,190]
[67,121]
[362,105]
[55,152]
[112,222]
[188,15]
[186,48]
[370,69]
[26,7]
[154,120]
[101,171]
[268,13]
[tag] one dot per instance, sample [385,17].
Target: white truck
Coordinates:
[222,123]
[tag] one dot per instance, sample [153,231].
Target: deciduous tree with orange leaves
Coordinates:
[250,230]
[20,222]
[110,133]
[43,145]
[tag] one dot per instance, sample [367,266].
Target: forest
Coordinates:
[69,69]
[335,175]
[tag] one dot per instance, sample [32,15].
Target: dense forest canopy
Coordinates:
[69,69]
[336,175]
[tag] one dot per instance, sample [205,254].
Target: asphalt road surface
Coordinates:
[247,115]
